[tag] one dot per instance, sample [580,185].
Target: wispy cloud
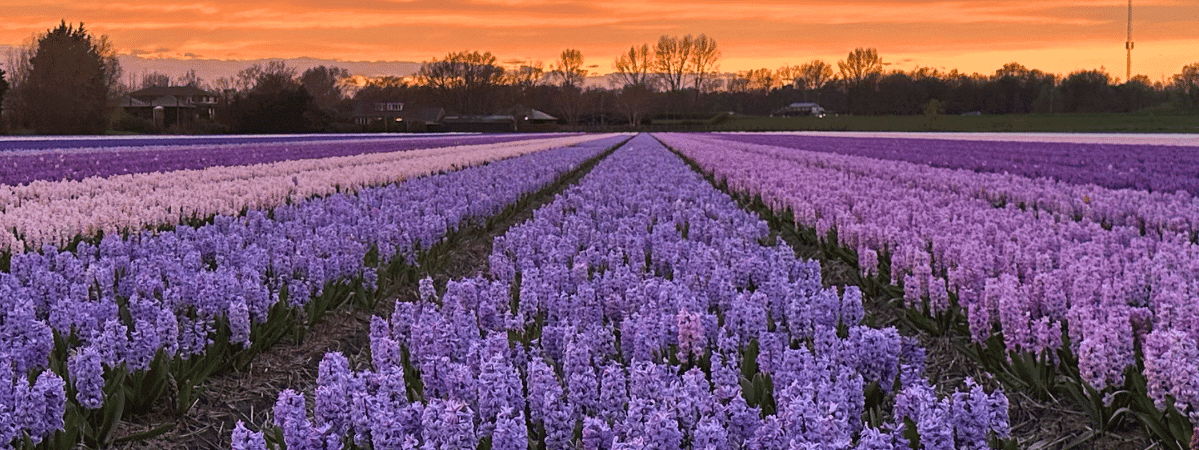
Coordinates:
[420,29]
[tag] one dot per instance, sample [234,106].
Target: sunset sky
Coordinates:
[1057,36]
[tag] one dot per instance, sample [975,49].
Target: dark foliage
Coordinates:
[66,90]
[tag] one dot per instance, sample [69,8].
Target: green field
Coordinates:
[1078,123]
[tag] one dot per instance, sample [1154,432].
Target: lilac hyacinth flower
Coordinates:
[87,373]
[510,432]
[143,345]
[499,390]
[41,405]
[582,385]
[852,311]
[239,323]
[166,325]
[875,354]
[333,393]
[1106,350]
[709,435]
[292,419]
[874,439]
[32,339]
[613,393]
[447,425]
[559,423]
[977,414]
[114,342]
[1170,356]
[244,439]
[768,436]
[692,336]
[662,431]
[597,435]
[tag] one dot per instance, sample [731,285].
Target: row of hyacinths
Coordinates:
[639,310]
[24,160]
[1023,269]
[133,301]
[1076,180]
[57,212]
[1161,163]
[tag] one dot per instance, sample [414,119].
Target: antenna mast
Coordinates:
[1128,45]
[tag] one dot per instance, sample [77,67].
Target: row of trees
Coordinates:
[65,81]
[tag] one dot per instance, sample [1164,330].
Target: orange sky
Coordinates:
[971,35]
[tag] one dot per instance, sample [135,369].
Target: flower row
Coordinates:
[57,212]
[130,300]
[1028,271]
[1166,168]
[638,310]
[108,157]
[1157,213]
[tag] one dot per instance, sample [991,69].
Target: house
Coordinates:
[515,119]
[169,106]
[800,109]
[395,116]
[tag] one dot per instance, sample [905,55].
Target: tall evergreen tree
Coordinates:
[68,83]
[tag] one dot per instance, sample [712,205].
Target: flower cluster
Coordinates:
[24,160]
[629,309]
[130,299]
[57,211]
[1027,254]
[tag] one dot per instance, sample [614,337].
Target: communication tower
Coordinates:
[1128,46]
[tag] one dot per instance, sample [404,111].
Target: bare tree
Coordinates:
[569,71]
[861,65]
[1186,84]
[759,81]
[190,78]
[525,75]
[155,79]
[813,75]
[672,59]
[464,80]
[634,68]
[787,76]
[275,71]
[14,104]
[704,57]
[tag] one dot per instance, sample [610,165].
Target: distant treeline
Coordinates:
[69,82]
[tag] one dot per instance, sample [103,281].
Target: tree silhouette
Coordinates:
[704,58]
[1186,83]
[324,84]
[569,71]
[155,79]
[813,75]
[466,81]
[190,78]
[861,65]
[67,87]
[3,90]
[672,59]
[276,103]
[634,68]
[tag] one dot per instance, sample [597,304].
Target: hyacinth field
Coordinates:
[666,291]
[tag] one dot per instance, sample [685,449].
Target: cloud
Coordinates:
[795,30]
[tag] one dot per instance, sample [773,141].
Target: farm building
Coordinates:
[168,106]
[800,109]
[396,116]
